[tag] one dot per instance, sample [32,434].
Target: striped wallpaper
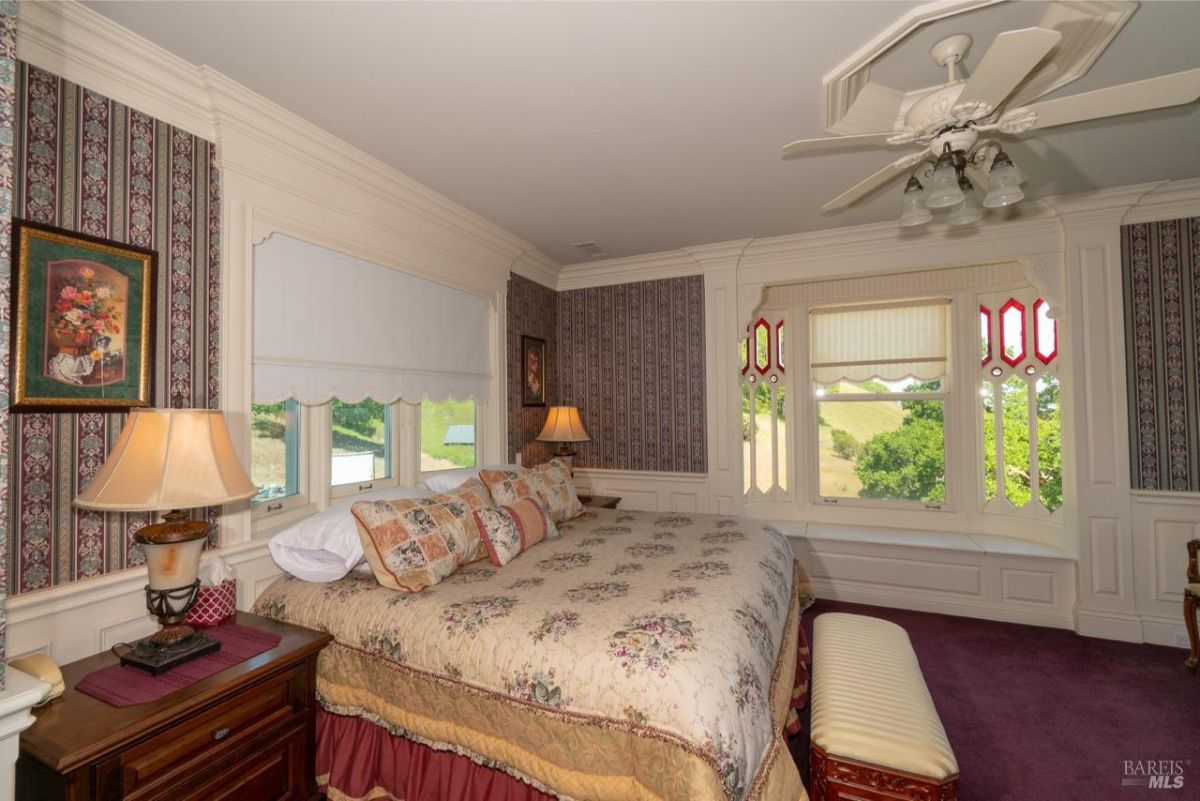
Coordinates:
[1161,266]
[631,357]
[87,163]
[532,311]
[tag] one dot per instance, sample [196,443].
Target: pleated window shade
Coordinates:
[330,325]
[884,341]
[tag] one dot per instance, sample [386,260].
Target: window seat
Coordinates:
[914,538]
[971,575]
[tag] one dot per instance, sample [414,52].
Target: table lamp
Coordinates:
[172,459]
[564,426]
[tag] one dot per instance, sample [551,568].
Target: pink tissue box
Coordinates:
[214,605]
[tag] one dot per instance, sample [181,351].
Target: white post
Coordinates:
[20,694]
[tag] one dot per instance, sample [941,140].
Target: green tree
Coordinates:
[845,445]
[1015,414]
[363,418]
[910,461]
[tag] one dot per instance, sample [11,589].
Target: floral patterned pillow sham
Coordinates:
[551,483]
[508,530]
[414,543]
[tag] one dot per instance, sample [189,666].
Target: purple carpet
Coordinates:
[1037,714]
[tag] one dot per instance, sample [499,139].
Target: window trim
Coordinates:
[278,508]
[352,488]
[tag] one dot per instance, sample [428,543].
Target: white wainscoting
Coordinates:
[1163,522]
[85,617]
[652,491]
[951,574]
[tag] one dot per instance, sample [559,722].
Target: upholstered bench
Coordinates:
[875,733]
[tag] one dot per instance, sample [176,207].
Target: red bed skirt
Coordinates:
[357,759]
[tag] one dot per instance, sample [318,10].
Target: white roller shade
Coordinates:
[329,325]
[886,341]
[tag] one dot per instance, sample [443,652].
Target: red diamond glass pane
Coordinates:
[779,345]
[1045,332]
[985,335]
[1012,332]
[762,346]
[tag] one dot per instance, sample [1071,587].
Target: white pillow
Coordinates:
[326,546]
[446,480]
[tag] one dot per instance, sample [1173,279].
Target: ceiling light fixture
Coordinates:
[950,188]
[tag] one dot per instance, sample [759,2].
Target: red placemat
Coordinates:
[125,686]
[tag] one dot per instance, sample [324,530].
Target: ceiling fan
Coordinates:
[955,125]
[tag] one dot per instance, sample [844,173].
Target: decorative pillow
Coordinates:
[550,483]
[414,544]
[508,530]
[326,546]
[559,490]
[446,480]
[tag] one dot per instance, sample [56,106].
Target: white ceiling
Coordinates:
[644,126]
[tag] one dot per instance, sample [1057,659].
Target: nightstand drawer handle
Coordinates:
[220,734]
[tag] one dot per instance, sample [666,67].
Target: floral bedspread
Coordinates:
[670,623]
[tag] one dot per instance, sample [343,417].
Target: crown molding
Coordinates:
[1171,200]
[260,140]
[537,266]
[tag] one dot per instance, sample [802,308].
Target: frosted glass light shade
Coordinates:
[968,211]
[944,191]
[563,424]
[172,565]
[912,208]
[169,459]
[1005,186]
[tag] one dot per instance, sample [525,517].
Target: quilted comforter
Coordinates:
[640,656]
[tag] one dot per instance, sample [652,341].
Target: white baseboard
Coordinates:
[82,618]
[1109,625]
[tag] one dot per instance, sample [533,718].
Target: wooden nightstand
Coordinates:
[247,732]
[600,501]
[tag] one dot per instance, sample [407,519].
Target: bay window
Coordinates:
[941,408]
[275,453]
[361,443]
[447,435]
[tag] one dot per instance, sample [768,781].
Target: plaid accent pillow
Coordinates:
[508,530]
[550,483]
[414,543]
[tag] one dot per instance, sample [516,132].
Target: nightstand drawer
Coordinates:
[274,772]
[208,737]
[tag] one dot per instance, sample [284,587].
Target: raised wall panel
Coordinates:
[1097,395]
[1027,586]
[1170,557]
[726,505]
[913,574]
[1105,555]
[123,631]
[683,502]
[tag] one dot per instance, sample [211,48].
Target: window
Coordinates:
[447,435]
[275,450]
[880,375]
[361,442]
[1019,404]
[764,408]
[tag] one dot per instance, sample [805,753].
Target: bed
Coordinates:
[639,656]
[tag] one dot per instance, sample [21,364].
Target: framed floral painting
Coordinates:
[82,321]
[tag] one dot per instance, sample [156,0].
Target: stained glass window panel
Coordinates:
[762,346]
[985,335]
[1045,332]
[1012,332]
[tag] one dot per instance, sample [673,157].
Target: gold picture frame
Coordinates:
[82,322]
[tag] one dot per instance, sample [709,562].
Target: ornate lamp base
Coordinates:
[146,654]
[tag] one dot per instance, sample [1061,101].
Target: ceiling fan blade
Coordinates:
[802,146]
[1127,98]
[872,182]
[1012,56]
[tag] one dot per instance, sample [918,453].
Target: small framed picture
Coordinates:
[82,321]
[533,371]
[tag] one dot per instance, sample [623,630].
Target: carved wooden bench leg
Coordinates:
[833,778]
[1189,617]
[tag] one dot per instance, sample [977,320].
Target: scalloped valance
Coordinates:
[329,325]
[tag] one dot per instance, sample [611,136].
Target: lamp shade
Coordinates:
[563,425]
[169,459]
